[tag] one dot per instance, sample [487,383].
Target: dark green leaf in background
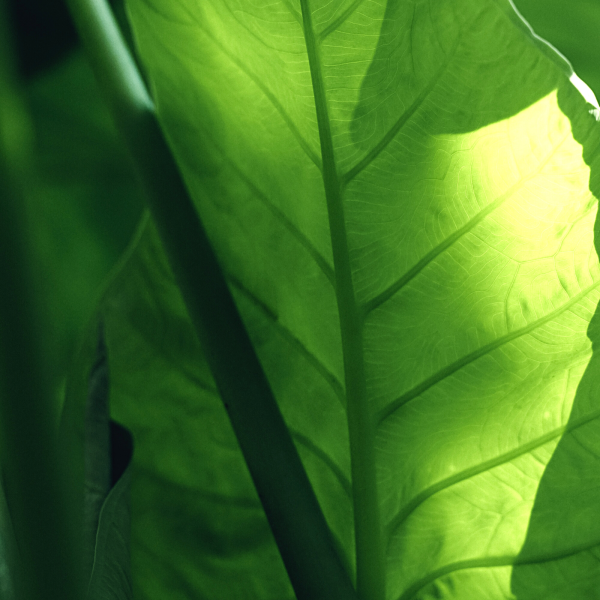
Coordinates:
[97,463]
[108,449]
[84,202]
[110,577]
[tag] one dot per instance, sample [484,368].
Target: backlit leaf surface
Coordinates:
[464,164]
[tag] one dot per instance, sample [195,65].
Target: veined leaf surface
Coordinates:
[403,197]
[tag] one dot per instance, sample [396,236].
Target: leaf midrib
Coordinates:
[370,556]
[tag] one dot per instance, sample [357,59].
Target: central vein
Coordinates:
[370,564]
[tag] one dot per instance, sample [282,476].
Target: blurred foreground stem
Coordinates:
[39,491]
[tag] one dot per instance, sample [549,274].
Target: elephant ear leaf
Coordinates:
[108,451]
[403,196]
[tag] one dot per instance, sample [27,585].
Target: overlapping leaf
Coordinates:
[465,165]
[572,29]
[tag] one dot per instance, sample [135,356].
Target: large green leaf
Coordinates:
[439,152]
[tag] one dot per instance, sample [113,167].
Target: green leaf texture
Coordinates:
[403,196]
[110,576]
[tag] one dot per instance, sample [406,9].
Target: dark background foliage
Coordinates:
[85,200]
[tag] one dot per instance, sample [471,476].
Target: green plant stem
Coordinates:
[38,489]
[295,517]
[370,565]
